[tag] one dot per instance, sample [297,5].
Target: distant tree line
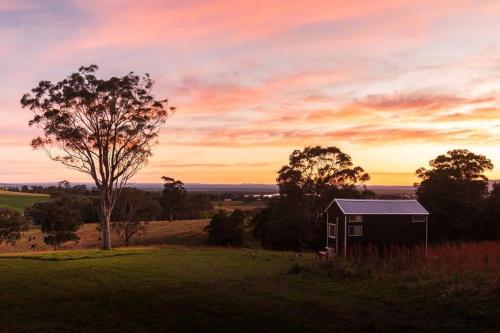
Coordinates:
[63,188]
[62,216]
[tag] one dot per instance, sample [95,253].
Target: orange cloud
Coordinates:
[365,135]
[478,114]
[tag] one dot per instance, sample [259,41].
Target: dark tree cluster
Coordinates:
[455,191]
[314,176]
[12,224]
[179,204]
[227,229]
[59,220]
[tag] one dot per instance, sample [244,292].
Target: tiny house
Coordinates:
[381,222]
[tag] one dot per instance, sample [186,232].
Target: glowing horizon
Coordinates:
[391,83]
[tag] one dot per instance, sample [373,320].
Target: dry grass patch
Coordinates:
[186,232]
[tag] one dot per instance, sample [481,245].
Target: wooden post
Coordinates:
[327,230]
[345,236]
[337,235]
[426,233]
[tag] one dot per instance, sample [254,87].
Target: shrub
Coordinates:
[226,229]
[12,224]
[59,220]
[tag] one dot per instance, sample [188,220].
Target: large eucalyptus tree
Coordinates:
[102,127]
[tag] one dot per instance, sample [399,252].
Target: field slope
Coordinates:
[19,200]
[218,290]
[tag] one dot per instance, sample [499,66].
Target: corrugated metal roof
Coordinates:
[380,207]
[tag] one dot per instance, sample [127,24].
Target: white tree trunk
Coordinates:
[106,232]
[105,219]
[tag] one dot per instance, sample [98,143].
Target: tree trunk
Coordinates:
[105,220]
[106,232]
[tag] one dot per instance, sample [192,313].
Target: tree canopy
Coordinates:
[315,168]
[459,165]
[454,190]
[102,127]
[312,178]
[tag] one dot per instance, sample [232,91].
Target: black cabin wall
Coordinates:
[379,229]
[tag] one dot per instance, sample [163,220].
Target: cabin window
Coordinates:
[332,230]
[355,230]
[418,218]
[356,218]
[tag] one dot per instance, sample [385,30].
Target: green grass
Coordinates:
[220,290]
[19,201]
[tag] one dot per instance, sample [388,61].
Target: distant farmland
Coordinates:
[19,200]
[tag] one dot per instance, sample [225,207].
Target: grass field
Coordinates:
[19,200]
[222,290]
[185,232]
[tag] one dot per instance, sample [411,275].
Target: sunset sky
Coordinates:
[392,83]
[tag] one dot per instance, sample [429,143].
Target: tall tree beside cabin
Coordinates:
[104,128]
[307,184]
[454,190]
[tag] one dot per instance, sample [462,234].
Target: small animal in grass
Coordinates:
[33,247]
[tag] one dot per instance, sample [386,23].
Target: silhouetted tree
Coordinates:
[59,220]
[260,221]
[313,177]
[174,197]
[103,128]
[12,224]
[490,228]
[133,209]
[454,190]
[226,229]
